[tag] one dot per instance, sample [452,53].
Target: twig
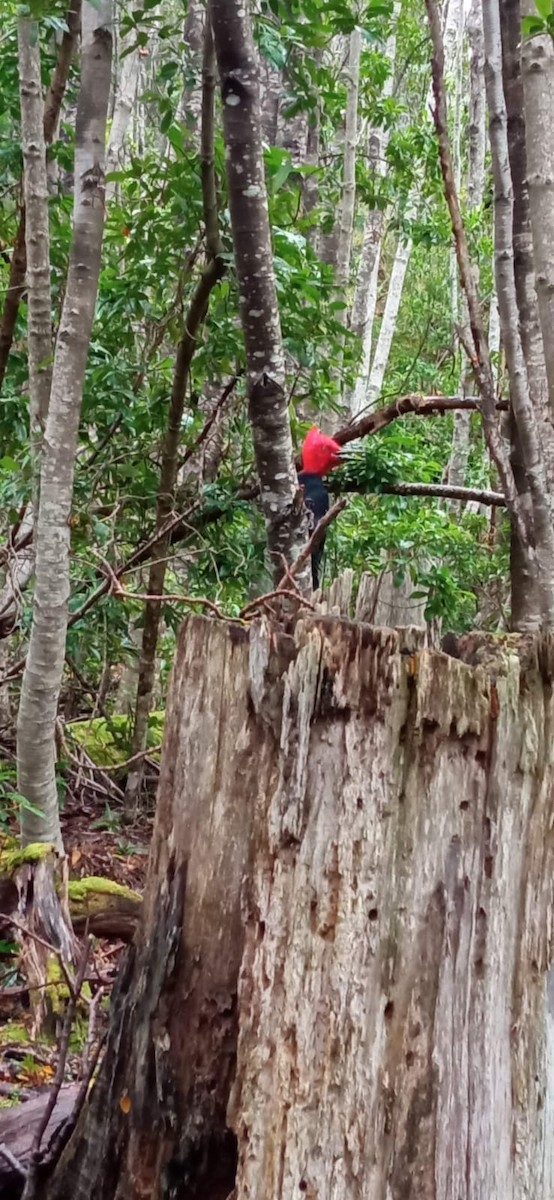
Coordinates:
[278,594]
[91,1032]
[210,421]
[62,1135]
[117,590]
[46,945]
[87,762]
[91,766]
[12,1160]
[315,538]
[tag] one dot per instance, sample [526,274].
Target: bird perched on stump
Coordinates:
[319,455]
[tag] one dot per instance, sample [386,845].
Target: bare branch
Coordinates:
[444,492]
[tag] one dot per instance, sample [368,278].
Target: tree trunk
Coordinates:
[524,270]
[37,238]
[457,468]
[365,290]
[388,323]
[348,201]
[537,56]
[341,982]
[190,107]
[522,408]
[281,499]
[52,106]
[44,668]
[126,87]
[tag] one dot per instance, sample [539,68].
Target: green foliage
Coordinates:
[150,266]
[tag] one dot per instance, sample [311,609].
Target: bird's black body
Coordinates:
[317,500]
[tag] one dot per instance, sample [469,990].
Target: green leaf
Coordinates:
[544,8]
[532,26]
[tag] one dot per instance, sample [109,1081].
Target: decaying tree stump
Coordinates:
[341,983]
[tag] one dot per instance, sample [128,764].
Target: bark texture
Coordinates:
[522,408]
[126,88]
[365,290]
[347,968]
[388,324]
[44,667]
[37,239]
[524,267]
[52,106]
[537,55]
[285,515]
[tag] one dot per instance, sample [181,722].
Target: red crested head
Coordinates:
[319,452]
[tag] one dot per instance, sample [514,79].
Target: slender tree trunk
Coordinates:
[364,311]
[281,499]
[537,55]
[367,278]
[43,671]
[190,108]
[388,324]
[310,183]
[457,468]
[480,351]
[37,239]
[348,202]
[52,106]
[341,987]
[524,270]
[125,98]
[211,275]
[271,91]
[509,318]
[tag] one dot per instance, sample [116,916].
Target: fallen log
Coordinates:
[18,1126]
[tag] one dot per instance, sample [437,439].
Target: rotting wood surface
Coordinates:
[363,827]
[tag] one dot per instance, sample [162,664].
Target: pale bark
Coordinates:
[367,278]
[453,51]
[125,97]
[388,323]
[190,107]
[271,91]
[522,407]
[348,200]
[285,516]
[43,672]
[365,310]
[537,57]
[457,467]
[37,236]
[52,105]
[477,133]
[524,268]
[310,183]
[343,980]
[334,59]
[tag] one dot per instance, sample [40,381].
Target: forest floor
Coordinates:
[97,843]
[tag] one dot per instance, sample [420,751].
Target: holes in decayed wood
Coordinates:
[389,1010]
[373,914]
[464,805]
